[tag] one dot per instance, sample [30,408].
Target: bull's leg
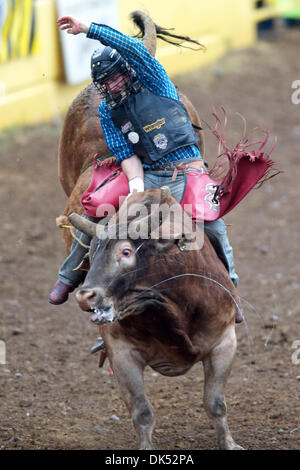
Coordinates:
[216,369]
[128,368]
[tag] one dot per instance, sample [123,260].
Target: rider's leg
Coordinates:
[77,252]
[217,234]
[68,278]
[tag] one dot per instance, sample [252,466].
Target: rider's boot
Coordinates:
[60,293]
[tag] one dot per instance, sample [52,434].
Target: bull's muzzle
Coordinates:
[91,300]
[87,298]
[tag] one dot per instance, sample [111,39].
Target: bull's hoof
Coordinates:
[146,446]
[232,446]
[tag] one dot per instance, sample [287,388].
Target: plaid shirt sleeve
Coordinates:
[115,141]
[149,71]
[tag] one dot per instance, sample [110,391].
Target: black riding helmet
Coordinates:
[105,63]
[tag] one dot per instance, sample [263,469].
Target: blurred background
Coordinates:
[52,393]
[42,69]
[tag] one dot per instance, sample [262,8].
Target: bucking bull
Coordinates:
[158,303]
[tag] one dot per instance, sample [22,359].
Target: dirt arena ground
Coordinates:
[52,393]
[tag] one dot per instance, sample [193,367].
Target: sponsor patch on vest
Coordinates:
[160,141]
[155,125]
[126,127]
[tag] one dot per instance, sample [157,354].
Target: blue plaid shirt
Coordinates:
[153,76]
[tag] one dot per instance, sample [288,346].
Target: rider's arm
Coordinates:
[123,151]
[148,69]
[133,169]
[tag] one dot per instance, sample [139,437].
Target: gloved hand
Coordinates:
[136,184]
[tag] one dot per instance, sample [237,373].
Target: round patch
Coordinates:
[133,137]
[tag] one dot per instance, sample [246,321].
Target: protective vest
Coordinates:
[154,125]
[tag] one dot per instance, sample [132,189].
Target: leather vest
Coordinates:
[154,125]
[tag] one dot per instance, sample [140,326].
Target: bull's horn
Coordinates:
[145,23]
[84,225]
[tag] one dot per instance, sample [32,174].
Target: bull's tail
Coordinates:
[149,32]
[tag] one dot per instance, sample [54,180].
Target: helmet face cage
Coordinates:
[105,66]
[101,88]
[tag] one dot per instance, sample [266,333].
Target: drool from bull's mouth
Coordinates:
[101,317]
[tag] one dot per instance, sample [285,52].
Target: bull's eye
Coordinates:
[126,252]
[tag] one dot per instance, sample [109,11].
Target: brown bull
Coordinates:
[181,321]
[163,305]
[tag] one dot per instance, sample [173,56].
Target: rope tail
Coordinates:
[63,222]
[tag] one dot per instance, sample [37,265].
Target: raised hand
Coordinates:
[72,25]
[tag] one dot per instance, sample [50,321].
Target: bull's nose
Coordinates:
[87,298]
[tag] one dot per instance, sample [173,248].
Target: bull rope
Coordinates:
[62,222]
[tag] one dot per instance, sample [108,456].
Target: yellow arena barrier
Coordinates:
[18,36]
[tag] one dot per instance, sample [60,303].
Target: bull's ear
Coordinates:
[162,246]
[182,242]
[85,263]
